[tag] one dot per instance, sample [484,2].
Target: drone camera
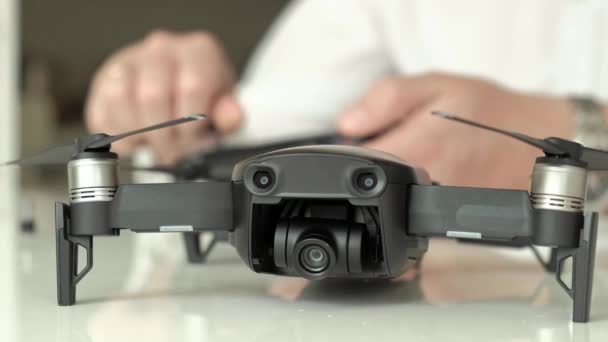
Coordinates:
[320,248]
[314,257]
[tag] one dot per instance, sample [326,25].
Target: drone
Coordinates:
[329,210]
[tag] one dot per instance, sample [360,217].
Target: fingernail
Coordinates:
[353,120]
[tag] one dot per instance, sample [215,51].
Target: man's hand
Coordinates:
[398,110]
[162,77]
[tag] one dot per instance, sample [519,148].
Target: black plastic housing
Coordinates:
[298,176]
[555,228]
[318,196]
[342,240]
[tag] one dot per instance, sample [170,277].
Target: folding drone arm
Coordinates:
[175,207]
[469,213]
[509,215]
[198,206]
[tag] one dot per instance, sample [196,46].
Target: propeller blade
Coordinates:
[547,147]
[113,138]
[57,155]
[63,153]
[597,160]
[218,163]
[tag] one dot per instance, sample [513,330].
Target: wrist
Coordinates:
[591,122]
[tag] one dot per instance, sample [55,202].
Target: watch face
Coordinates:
[597,187]
[590,128]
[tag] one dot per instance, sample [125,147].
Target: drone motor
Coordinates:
[92,179]
[558,187]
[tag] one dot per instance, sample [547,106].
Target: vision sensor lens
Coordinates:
[367,181]
[314,259]
[263,179]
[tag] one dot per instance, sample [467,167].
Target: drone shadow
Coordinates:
[366,292]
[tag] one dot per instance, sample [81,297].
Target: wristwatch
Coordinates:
[591,130]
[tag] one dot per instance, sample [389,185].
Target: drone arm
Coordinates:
[508,216]
[173,207]
[469,213]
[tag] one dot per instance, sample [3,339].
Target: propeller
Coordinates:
[553,147]
[61,154]
[219,162]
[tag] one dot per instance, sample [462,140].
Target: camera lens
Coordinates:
[367,181]
[263,179]
[314,259]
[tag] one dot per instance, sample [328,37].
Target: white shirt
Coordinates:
[321,55]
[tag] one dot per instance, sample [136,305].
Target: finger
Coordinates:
[109,108]
[109,103]
[413,140]
[116,99]
[97,118]
[122,147]
[203,75]
[193,94]
[227,115]
[153,91]
[387,102]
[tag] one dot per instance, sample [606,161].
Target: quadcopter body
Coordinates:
[328,211]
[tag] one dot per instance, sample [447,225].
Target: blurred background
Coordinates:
[64,41]
[8,177]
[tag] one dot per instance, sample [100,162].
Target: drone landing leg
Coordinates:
[583,260]
[549,265]
[198,254]
[67,256]
[193,248]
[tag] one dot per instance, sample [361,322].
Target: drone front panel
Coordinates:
[341,204]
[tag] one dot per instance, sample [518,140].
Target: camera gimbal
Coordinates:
[330,211]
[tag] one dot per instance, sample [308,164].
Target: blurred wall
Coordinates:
[75,36]
[8,123]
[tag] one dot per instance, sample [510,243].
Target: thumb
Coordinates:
[227,114]
[388,101]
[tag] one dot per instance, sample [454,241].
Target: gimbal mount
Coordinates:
[331,211]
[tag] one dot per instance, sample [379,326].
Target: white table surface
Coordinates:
[141,289]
